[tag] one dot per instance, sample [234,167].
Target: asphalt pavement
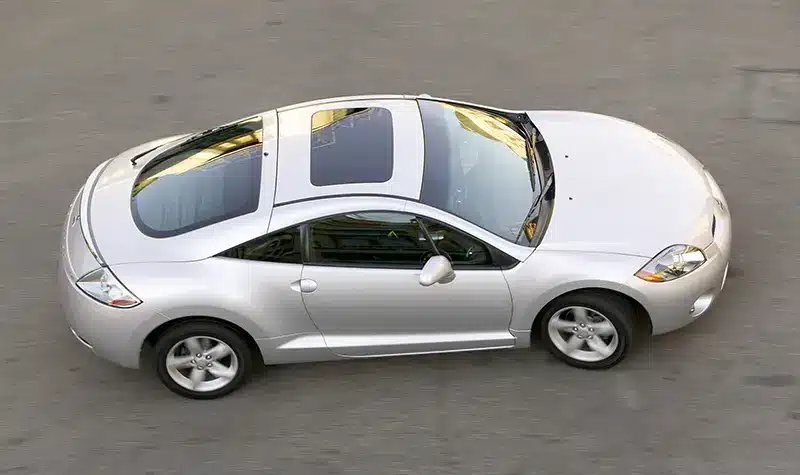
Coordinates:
[82,80]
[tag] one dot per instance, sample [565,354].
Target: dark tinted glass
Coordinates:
[461,249]
[476,167]
[369,239]
[202,182]
[283,247]
[351,146]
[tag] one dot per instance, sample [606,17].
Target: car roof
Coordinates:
[293,177]
[293,181]
[285,179]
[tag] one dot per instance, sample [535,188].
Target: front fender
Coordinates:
[546,275]
[522,321]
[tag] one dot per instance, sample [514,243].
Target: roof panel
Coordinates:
[295,145]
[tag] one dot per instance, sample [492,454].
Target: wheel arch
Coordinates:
[152,337]
[642,319]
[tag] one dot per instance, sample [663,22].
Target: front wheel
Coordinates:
[588,330]
[202,360]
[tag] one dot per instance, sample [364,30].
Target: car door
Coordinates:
[361,287]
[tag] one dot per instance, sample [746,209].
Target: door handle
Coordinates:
[305,286]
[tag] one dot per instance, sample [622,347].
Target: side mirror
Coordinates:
[437,270]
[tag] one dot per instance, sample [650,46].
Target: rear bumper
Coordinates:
[113,334]
[673,305]
[81,340]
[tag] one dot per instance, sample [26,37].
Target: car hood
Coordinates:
[621,188]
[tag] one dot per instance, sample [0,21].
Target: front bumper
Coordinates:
[675,304]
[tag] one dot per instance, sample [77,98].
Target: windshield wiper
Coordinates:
[531,156]
[190,138]
[203,133]
[140,155]
[535,206]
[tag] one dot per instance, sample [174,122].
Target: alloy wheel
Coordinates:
[583,334]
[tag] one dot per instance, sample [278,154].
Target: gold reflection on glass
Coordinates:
[491,127]
[206,155]
[530,229]
[327,118]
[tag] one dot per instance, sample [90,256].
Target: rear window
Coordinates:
[351,146]
[208,179]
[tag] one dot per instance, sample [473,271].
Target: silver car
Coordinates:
[371,226]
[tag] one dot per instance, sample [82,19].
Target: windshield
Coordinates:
[479,167]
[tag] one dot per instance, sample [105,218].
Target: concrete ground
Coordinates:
[83,80]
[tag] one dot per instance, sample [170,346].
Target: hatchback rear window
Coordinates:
[351,146]
[208,179]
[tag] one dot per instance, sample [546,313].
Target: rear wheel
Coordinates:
[202,360]
[588,330]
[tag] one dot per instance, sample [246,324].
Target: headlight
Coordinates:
[673,262]
[104,287]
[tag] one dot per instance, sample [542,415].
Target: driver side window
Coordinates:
[369,239]
[393,240]
[463,251]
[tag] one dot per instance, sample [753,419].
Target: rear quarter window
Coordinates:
[203,181]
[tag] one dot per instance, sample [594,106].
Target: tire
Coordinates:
[598,345]
[174,344]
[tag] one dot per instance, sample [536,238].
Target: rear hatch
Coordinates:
[117,188]
[78,258]
[80,248]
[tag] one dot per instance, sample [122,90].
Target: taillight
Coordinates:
[103,286]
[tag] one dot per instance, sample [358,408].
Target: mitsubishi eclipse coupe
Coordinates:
[371,226]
